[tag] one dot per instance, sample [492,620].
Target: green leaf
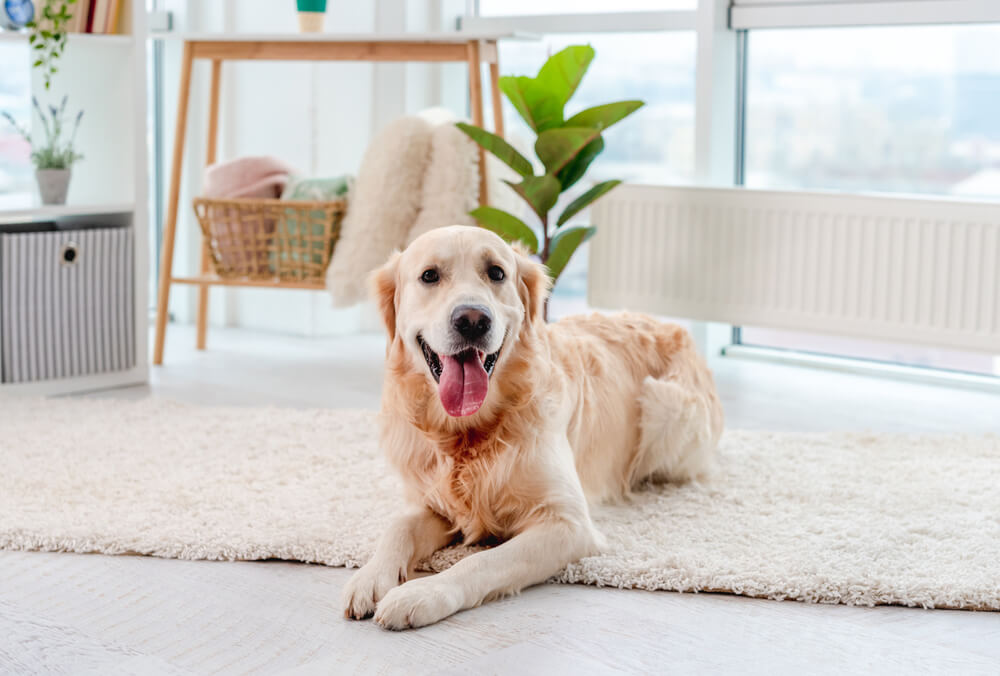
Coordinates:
[564,245]
[536,106]
[504,151]
[602,117]
[540,100]
[37,63]
[561,74]
[557,147]
[585,199]
[575,170]
[32,38]
[511,228]
[540,192]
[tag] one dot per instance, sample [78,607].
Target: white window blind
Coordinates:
[750,14]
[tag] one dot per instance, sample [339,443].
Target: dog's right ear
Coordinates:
[384,288]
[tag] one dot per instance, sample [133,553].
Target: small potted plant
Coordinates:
[53,158]
[565,147]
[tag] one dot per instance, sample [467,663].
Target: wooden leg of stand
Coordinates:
[170,226]
[476,111]
[213,135]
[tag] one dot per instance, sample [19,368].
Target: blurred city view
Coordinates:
[907,109]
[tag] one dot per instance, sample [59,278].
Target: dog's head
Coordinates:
[456,301]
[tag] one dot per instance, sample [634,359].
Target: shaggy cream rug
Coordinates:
[855,519]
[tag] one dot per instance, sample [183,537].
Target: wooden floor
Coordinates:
[64,613]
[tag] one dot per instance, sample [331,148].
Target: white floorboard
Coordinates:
[73,614]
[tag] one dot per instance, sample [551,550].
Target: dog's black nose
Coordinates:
[471,321]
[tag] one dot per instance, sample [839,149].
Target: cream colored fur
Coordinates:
[383,204]
[577,412]
[451,182]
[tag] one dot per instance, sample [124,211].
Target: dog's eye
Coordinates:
[496,273]
[430,276]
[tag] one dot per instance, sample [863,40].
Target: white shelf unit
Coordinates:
[105,75]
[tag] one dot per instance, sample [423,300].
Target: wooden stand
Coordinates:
[472,50]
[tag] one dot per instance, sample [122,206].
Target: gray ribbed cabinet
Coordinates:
[67,305]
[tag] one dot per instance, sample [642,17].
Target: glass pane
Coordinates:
[654,145]
[910,355]
[907,109]
[17,184]
[526,7]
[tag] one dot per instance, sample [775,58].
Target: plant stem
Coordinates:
[545,238]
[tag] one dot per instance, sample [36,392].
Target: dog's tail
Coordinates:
[679,428]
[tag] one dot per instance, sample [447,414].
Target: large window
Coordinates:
[904,109]
[892,109]
[17,185]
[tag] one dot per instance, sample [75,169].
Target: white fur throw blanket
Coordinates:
[419,173]
[382,206]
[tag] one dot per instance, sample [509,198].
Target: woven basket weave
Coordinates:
[270,239]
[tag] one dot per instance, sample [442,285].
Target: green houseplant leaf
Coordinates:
[557,147]
[602,117]
[561,74]
[540,100]
[509,227]
[540,192]
[535,105]
[504,151]
[585,199]
[577,167]
[564,245]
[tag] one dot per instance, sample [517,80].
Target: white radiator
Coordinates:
[902,269]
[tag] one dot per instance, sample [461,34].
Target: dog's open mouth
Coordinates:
[463,378]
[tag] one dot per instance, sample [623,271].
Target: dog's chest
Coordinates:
[476,494]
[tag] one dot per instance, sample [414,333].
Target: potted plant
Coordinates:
[565,148]
[53,158]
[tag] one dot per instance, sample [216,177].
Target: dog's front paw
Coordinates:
[366,587]
[417,603]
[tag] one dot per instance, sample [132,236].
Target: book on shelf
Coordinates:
[103,17]
[78,22]
[89,22]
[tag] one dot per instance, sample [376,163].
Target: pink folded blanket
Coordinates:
[263,177]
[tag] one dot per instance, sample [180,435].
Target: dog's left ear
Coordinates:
[533,285]
[383,288]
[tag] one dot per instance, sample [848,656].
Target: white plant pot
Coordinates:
[53,184]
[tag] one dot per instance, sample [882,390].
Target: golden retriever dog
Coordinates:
[504,427]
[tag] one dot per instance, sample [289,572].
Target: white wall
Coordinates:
[318,117]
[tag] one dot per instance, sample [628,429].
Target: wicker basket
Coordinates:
[270,239]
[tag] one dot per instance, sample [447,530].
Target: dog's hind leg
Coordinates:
[679,428]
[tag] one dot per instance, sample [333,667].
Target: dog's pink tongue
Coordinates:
[463,385]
